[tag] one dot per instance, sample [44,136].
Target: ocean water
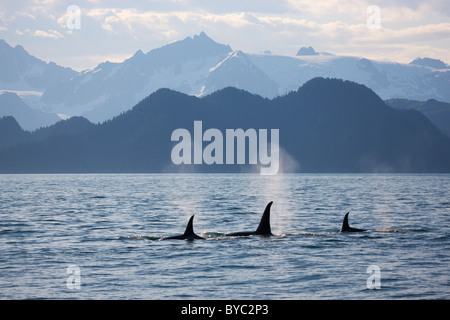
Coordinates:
[97,236]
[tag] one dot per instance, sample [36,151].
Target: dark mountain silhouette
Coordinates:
[345,127]
[72,125]
[327,125]
[12,134]
[437,111]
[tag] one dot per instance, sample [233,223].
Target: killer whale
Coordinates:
[346,227]
[188,234]
[263,227]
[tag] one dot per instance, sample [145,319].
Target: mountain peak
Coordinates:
[430,62]
[202,35]
[9,122]
[20,48]
[237,70]
[345,91]
[190,48]
[11,98]
[238,54]
[139,53]
[10,132]
[17,49]
[204,40]
[307,51]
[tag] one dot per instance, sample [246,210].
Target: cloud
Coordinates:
[132,20]
[337,26]
[328,7]
[52,34]
[115,19]
[26,14]
[48,34]
[393,12]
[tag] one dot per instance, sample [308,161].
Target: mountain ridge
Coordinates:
[438,112]
[350,129]
[21,71]
[198,66]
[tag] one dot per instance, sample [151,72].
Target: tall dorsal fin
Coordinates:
[189,228]
[188,233]
[345,225]
[264,224]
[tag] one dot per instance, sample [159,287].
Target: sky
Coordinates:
[81,34]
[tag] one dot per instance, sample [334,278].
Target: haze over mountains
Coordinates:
[348,129]
[329,110]
[199,66]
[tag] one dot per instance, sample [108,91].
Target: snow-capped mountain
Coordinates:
[20,71]
[23,79]
[199,66]
[111,88]
[432,63]
[237,70]
[387,79]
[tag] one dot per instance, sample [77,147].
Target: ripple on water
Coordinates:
[110,226]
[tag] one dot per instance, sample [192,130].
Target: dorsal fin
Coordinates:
[264,224]
[189,228]
[345,225]
[188,233]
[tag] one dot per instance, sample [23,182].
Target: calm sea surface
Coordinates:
[97,236]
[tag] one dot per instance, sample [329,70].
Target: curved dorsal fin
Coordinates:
[189,228]
[264,224]
[345,225]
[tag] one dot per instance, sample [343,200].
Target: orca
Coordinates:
[263,227]
[188,233]
[346,227]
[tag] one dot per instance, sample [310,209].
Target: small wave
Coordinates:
[212,235]
[392,230]
[221,236]
[139,237]
[98,197]
[441,238]
[306,234]
[444,204]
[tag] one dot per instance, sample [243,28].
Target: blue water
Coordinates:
[109,227]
